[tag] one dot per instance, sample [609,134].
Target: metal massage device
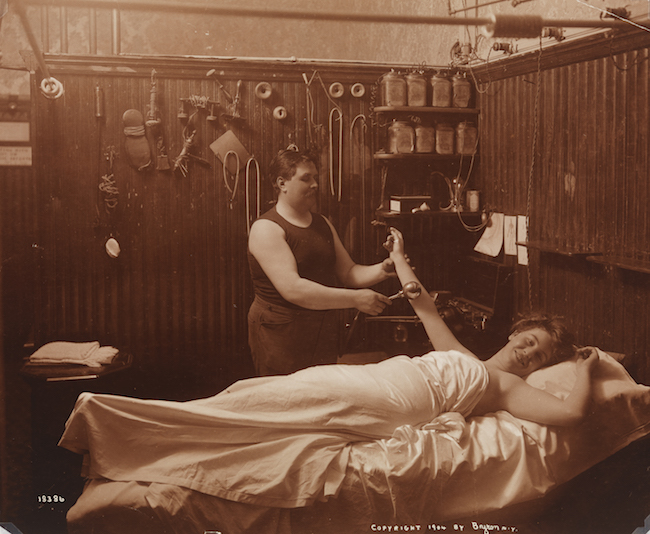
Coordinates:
[410,290]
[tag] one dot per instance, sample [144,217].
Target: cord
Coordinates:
[232,190]
[258,192]
[532,167]
[626,67]
[331,150]
[362,161]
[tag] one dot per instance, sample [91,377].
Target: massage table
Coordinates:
[486,473]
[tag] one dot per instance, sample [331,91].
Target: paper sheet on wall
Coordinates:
[510,235]
[492,239]
[522,237]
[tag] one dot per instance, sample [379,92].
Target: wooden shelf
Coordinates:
[414,319]
[387,214]
[66,372]
[426,109]
[554,249]
[628,264]
[428,156]
[488,260]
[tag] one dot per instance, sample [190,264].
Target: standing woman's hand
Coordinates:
[388,266]
[370,302]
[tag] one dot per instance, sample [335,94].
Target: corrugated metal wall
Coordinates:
[589,185]
[178,294]
[179,291]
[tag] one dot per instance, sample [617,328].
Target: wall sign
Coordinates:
[14,131]
[15,156]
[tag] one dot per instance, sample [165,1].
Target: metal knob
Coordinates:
[411,290]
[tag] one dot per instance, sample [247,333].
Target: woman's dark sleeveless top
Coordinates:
[313,248]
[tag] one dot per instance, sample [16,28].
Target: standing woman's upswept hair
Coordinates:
[285,162]
[563,340]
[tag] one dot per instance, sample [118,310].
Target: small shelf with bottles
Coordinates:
[425,125]
[426,118]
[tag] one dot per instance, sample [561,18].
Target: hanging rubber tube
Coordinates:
[258,192]
[232,190]
[340,151]
[362,162]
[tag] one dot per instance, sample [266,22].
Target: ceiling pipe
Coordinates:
[207,9]
[477,6]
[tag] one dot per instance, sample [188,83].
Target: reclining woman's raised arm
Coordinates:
[424,306]
[527,402]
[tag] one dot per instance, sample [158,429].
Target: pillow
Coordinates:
[619,413]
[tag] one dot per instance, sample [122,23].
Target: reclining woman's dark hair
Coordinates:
[285,162]
[563,340]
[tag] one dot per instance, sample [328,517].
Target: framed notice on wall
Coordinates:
[15,137]
[15,156]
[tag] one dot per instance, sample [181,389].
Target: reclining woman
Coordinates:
[535,342]
[284,441]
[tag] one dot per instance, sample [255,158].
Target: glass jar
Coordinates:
[401,137]
[466,138]
[445,136]
[425,139]
[393,89]
[440,91]
[416,86]
[473,201]
[461,90]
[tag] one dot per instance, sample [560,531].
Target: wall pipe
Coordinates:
[50,87]
[63,32]
[32,39]
[116,33]
[92,31]
[45,28]
[202,9]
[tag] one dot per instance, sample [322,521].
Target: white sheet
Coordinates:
[275,441]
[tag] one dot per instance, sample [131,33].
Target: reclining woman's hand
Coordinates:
[587,359]
[394,242]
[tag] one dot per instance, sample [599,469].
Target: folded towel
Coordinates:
[89,353]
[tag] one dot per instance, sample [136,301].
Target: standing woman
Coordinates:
[301,274]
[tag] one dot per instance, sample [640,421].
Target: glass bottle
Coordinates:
[401,137]
[393,89]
